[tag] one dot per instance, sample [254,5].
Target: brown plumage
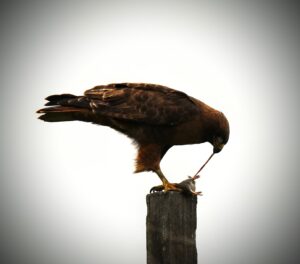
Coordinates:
[154,116]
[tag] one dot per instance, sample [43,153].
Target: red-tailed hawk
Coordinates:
[154,116]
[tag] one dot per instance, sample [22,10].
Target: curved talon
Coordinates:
[158,188]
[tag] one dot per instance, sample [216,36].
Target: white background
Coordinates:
[69,194]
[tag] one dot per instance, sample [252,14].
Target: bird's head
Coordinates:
[221,134]
[218,144]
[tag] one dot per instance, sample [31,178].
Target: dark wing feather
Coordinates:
[147,103]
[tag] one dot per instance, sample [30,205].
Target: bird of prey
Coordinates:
[155,117]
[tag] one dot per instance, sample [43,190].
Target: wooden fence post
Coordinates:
[171,228]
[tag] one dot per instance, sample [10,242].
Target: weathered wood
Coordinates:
[171,228]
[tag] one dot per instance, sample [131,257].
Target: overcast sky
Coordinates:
[68,192]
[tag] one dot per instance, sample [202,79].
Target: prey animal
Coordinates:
[155,117]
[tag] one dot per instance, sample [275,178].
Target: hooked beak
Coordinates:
[218,148]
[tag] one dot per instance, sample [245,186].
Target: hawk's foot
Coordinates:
[174,187]
[166,188]
[187,187]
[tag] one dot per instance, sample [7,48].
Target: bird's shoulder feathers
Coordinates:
[141,102]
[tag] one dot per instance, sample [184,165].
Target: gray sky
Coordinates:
[68,194]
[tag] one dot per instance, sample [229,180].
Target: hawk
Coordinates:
[155,117]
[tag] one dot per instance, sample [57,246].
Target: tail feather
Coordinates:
[59,109]
[57,117]
[57,99]
[62,113]
[67,107]
[64,107]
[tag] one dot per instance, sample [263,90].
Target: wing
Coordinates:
[139,102]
